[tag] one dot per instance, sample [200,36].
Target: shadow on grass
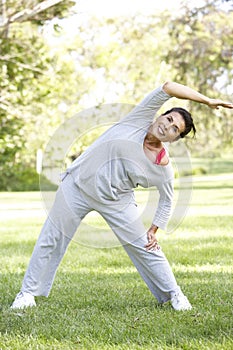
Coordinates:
[203,186]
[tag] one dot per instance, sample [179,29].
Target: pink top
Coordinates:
[160,156]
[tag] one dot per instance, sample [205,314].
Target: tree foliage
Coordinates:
[201,53]
[25,63]
[108,60]
[129,56]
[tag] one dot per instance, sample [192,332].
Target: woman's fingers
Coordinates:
[152,244]
[152,240]
[215,104]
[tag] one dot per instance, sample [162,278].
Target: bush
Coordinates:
[195,171]
[21,178]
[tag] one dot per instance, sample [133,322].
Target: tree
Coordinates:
[201,56]
[24,62]
[107,61]
[129,56]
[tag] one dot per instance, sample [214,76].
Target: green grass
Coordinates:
[99,301]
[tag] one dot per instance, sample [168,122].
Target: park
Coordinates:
[98,300]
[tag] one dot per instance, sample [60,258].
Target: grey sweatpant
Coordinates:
[69,208]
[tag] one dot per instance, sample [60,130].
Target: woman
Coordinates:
[129,154]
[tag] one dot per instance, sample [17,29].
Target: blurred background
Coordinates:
[58,58]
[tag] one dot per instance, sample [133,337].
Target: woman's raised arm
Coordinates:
[186,93]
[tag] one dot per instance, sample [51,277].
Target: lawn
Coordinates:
[99,301]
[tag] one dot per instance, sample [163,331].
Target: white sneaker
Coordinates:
[180,302]
[22,300]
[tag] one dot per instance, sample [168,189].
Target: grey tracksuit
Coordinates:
[102,179]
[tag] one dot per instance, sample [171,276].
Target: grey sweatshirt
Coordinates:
[115,164]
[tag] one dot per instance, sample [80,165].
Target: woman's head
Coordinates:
[173,124]
[188,120]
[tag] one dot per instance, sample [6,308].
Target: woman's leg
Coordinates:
[65,216]
[152,265]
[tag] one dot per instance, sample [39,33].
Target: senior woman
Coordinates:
[129,154]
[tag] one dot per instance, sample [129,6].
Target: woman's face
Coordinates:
[167,128]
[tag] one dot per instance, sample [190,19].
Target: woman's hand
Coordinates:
[152,240]
[215,104]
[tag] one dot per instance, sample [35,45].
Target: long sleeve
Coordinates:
[163,211]
[144,113]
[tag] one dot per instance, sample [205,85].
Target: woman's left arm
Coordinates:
[184,92]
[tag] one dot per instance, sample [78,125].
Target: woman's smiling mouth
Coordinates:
[161,131]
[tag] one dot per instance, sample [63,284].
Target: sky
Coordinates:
[127,7]
[84,9]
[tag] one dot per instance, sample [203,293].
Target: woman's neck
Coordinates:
[152,141]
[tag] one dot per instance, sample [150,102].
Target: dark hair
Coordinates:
[188,120]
